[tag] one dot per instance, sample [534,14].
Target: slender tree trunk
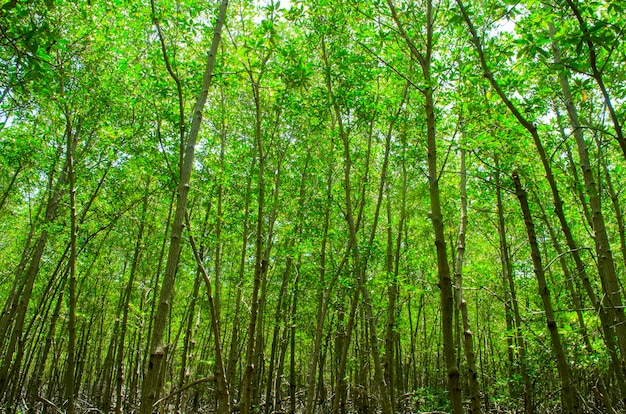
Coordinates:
[611,297]
[16,311]
[272,377]
[359,263]
[292,342]
[576,302]
[606,264]
[578,189]
[71,357]
[259,347]
[597,74]
[511,303]
[468,341]
[323,293]
[126,301]
[151,383]
[391,265]
[222,392]
[35,382]
[390,335]
[188,339]
[569,398]
[445,281]
[617,208]
[233,354]
[260,265]
[344,336]
[155,284]
[6,192]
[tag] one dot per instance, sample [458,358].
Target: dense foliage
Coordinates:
[394,206]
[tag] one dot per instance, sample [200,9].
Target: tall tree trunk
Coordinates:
[260,264]
[272,376]
[617,207]
[233,354]
[189,340]
[323,293]
[468,341]
[392,262]
[272,379]
[151,383]
[6,192]
[71,357]
[359,263]
[569,399]
[606,265]
[443,268]
[292,342]
[187,352]
[14,314]
[611,297]
[578,308]
[126,301]
[259,346]
[152,292]
[511,302]
[222,392]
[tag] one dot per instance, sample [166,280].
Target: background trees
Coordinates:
[320,233]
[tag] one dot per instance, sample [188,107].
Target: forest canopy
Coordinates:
[312,206]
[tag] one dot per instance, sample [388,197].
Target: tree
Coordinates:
[270,248]
[151,382]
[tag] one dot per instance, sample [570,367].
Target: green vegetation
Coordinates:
[321,206]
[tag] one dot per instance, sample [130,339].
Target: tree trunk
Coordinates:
[443,268]
[151,383]
[606,265]
[17,303]
[233,354]
[468,341]
[260,264]
[223,397]
[126,301]
[576,302]
[323,293]
[569,399]
[71,357]
[511,303]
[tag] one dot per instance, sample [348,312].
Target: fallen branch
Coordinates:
[50,404]
[186,387]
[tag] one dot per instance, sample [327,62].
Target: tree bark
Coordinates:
[71,357]
[222,392]
[126,301]
[468,341]
[323,293]
[443,268]
[606,265]
[151,383]
[260,264]
[514,322]
[569,399]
